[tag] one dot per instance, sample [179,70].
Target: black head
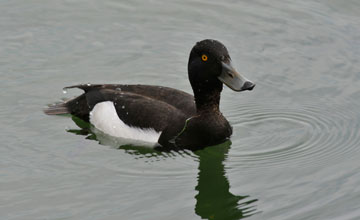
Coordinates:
[210,66]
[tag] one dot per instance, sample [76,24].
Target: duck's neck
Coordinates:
[207,98]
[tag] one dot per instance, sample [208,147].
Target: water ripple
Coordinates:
[312,134]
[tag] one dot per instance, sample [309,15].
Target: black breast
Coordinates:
[200,131]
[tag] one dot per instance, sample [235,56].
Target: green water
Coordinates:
[295,150]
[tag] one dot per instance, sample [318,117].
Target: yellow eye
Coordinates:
[204,57]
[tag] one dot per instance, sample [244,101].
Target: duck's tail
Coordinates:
[57,109]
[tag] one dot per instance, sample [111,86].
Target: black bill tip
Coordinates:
[248,85]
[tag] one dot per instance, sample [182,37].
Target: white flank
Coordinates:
[104,118]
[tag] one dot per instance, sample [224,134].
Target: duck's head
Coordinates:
[210,66]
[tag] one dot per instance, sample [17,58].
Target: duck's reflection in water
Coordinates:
[214,199]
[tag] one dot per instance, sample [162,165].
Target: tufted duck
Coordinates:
[169,118]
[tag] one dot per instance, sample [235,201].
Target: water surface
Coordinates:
[296,144]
